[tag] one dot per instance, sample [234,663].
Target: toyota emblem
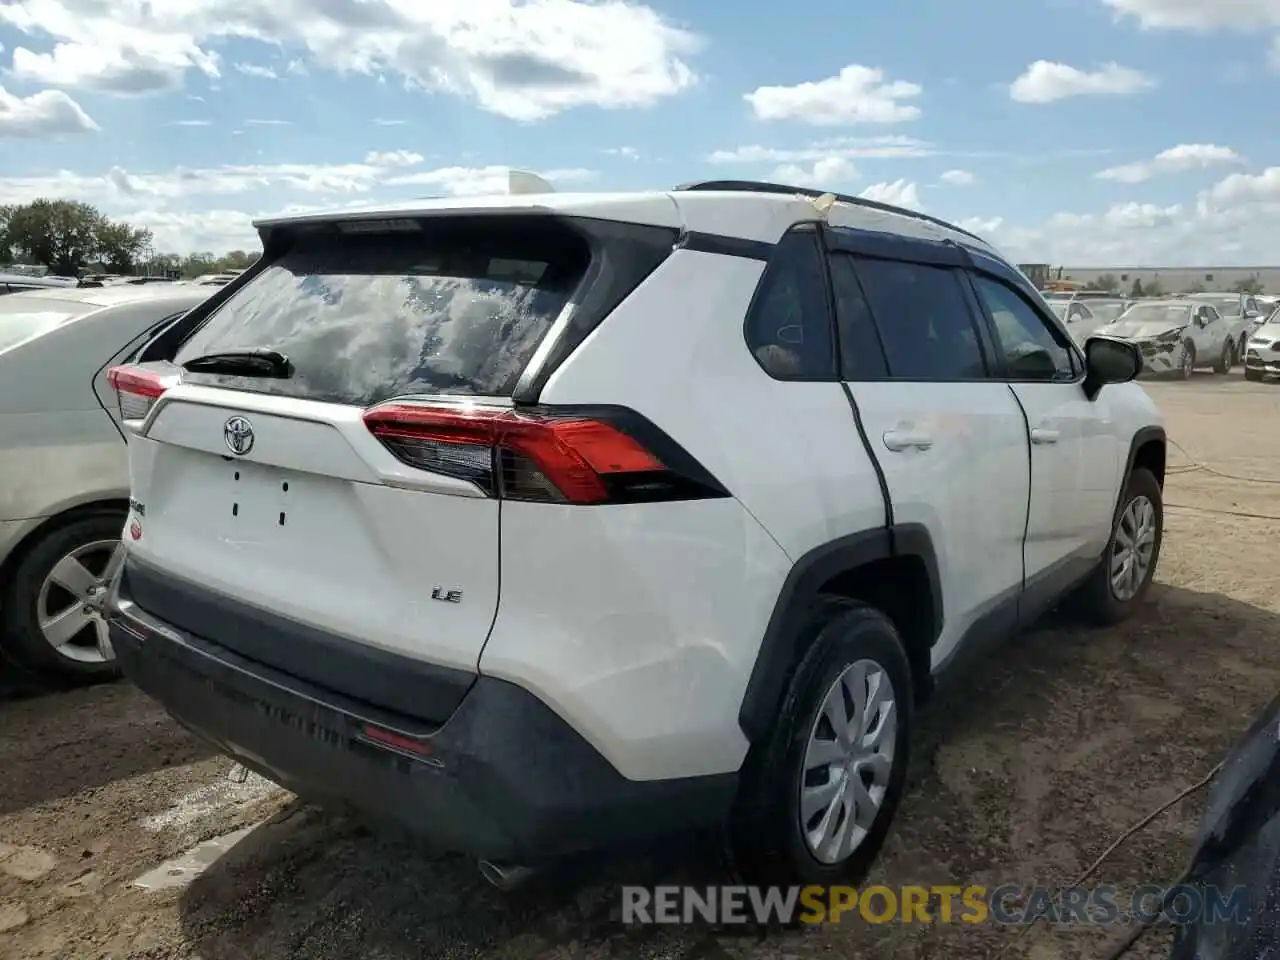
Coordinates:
[237,433]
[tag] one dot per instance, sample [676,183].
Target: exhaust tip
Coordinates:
[504,876]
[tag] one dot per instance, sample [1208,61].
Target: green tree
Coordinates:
[1196,287]
[1136,290]
[1107,283]
[120,246]
[60,234]
[6,247]
[1153,289]
[1251,286]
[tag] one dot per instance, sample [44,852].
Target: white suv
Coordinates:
[547,523]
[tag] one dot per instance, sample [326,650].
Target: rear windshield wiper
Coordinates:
[243,363]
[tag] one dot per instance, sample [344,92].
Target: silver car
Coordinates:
[1176,336]
[1262,356]
[64,485]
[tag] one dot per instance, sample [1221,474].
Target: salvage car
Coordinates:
[1176,336]
[429,519]
[1240,311]
[1238,847]
[64,484]
[1262,355]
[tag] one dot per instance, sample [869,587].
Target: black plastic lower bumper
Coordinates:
[504,779]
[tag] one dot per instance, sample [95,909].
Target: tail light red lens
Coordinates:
[137,390]
[534,456]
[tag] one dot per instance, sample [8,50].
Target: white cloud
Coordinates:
[958,178]
[393,158]
[177,205]
[43,114]
[630,153]
[253,70]
[979,225]
[826,172]
[1229,223]
[849,148]
[475,181]
[1185,156]
[525,61]
[390,123]
[900,193]
[1046,82]
[190,123]
[857,94]
[269,123]
[1199,15]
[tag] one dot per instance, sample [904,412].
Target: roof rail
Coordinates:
[761,186]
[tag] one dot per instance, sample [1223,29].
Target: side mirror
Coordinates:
[1251,314]
[1108,360]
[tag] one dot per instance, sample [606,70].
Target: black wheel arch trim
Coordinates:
[786,630]
[1142,437]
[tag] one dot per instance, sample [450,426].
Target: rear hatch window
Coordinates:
[451,308]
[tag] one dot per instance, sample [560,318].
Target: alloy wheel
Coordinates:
[69,604]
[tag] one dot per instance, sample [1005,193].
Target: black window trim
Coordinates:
[985,349]
[1073,351]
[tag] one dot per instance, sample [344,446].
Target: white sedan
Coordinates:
[64,484]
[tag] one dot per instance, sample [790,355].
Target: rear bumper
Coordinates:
[504,778]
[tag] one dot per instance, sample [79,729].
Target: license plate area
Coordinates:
[259,499]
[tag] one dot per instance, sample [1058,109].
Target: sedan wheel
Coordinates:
[51,608]
[68,607]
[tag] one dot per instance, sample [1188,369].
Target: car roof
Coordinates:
[110,296]
[743,209]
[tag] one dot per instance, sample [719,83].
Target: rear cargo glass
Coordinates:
[454,309]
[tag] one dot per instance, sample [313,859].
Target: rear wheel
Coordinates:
[1123,576]
[49,619]
[1226,360]
[818,797]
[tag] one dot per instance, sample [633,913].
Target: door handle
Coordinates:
[1043,435]
[899,440]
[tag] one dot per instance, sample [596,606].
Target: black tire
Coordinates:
[1252,374]
[19,622]
[1188,360]
[1096,600]
[1226,360]
[768,846]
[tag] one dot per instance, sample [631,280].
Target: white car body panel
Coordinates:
[966,483]
[61,448]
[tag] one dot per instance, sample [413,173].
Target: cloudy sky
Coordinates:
[1116,132]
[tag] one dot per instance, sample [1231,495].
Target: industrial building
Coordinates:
[1166,279]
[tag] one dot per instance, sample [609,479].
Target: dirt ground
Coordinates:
[1023,776]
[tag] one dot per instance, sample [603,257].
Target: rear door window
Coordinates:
[455,309]
[924,320]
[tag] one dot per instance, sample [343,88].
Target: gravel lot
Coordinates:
[1068,739]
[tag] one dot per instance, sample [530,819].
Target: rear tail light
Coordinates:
[543,456]
[137,390]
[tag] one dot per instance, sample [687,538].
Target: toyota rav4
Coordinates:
[548,523]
